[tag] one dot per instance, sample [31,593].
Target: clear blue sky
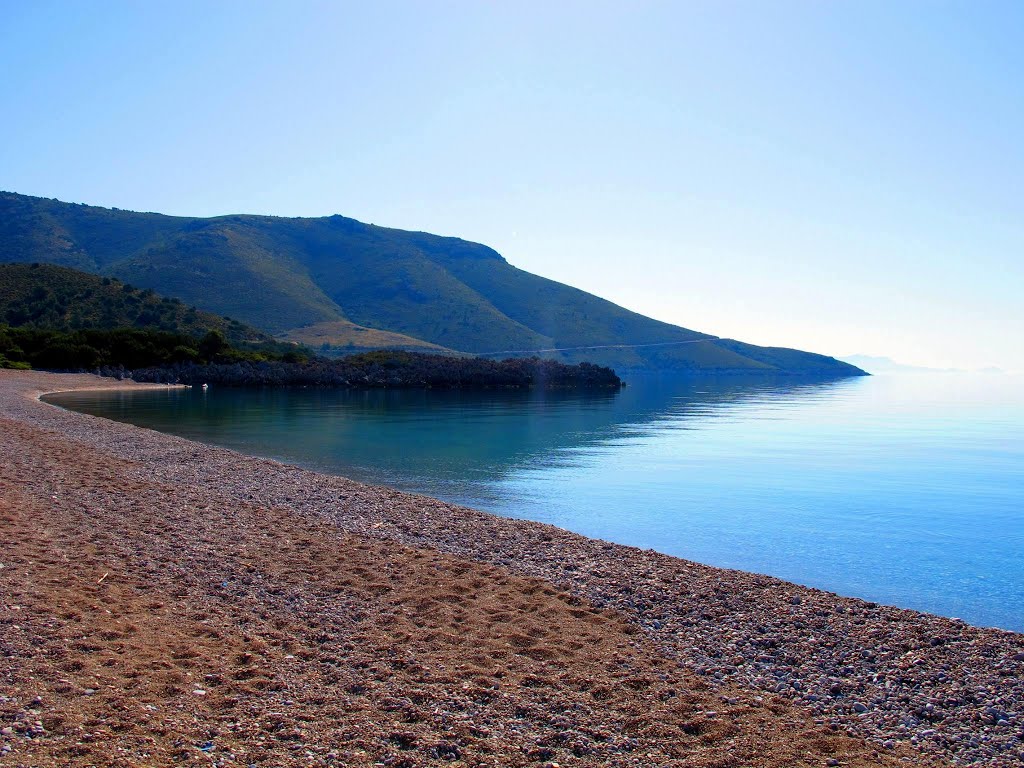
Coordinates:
[836,176]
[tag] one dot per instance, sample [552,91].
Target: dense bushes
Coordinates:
[390,369]
[128,348]
[61,299]
[157,356]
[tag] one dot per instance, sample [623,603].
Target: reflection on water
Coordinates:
[428,440]
[905,490]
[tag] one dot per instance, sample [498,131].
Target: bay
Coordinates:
[903,489]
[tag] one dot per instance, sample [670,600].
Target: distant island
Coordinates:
[879,364]
[342,286]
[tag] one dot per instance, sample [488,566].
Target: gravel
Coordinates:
[895,677]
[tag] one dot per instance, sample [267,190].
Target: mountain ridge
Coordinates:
[285,274]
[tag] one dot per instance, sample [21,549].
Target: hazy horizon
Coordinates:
[844,179]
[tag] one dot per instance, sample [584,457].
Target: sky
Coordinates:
[842,177]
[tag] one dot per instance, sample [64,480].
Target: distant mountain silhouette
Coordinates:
[874,364]
[283,275]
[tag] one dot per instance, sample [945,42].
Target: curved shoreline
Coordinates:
[890,675]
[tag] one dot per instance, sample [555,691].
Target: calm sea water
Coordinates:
[906,490]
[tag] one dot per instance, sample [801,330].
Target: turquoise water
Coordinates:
[905,490]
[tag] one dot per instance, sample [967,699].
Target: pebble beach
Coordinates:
[167,602]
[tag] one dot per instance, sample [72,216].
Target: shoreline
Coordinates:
[817,580]
[899,678]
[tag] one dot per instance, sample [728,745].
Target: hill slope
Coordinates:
[65,299]
[343,336]
[282,275]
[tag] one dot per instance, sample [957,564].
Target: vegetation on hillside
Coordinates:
[63,319]
[282,274]
[159,356]
[406,370]
[59,318]
[125,348]
[58,298]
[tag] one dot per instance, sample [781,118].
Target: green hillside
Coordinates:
[64,299]
[284,275]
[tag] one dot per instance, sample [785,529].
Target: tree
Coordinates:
[212,344]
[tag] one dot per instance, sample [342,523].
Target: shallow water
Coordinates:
[906,490]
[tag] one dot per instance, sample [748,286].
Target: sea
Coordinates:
[906,489]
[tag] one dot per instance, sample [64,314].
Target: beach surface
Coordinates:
[163,601]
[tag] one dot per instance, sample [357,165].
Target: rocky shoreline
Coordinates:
[815,667]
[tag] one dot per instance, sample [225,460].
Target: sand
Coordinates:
[163,602]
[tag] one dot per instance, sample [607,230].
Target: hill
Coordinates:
[283,275]
[59,298]
[59,318]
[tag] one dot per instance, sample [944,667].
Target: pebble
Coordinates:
[836,648]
